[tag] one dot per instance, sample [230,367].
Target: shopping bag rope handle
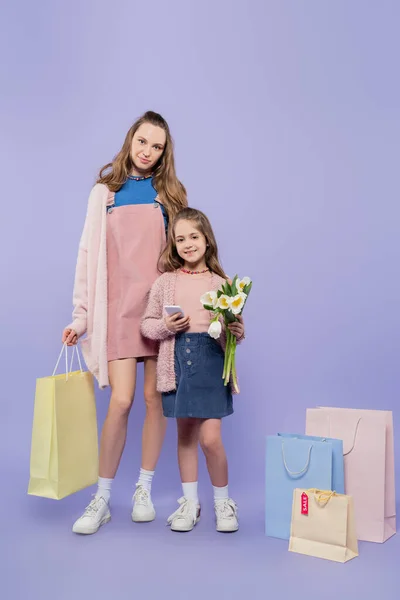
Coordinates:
[354,437]
[65,347]
[78,357]
[296,473]
[322,496]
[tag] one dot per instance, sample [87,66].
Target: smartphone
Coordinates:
[172,310]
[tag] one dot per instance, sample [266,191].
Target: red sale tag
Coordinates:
[304,504]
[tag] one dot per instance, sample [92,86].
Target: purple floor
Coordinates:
[43,559]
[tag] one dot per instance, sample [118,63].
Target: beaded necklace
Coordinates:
[194,272]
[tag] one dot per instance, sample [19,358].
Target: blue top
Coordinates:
[138,190]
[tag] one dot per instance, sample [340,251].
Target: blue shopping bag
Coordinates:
[294,462]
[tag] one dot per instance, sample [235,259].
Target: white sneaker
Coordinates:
[96,514]
[226,515]
[186,516]
[143,508]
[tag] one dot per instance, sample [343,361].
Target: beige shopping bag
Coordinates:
[64,450]
[323,525]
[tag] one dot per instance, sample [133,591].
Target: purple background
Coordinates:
[286,122]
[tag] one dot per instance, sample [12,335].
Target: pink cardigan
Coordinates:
[90,288]
[153,326]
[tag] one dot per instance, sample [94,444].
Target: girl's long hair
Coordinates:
[170,190]
[170,259]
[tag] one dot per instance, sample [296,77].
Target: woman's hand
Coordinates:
[177,323]
[69,337]
[237,328]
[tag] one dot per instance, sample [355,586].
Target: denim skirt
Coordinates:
[200,392]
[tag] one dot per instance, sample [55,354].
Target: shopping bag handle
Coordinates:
[322,497]
[67,372]
[296,473]
[354,437]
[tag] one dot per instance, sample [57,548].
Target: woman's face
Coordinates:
[148,144]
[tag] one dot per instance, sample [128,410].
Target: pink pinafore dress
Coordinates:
[135,239]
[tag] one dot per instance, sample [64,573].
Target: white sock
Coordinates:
[145,479]
[104,488]
[221,493]
[190,491]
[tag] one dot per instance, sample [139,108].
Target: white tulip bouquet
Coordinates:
[229,302]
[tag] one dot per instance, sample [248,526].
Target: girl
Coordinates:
[123,236]
[190,364]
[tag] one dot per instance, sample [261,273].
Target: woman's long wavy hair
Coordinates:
[170,259]
[170,190]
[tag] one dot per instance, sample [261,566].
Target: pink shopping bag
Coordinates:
[368,450]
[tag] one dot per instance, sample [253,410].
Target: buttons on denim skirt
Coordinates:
[188,340]
[188,350]
[189,362]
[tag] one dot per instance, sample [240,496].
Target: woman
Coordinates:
[124,233]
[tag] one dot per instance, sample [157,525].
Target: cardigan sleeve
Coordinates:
[80,292]
[153,324]
[223,334]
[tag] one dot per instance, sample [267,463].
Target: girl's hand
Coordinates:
[237,328]
[69,337]
[177,323]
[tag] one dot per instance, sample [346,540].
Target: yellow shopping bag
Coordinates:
[323,525]
[64,450]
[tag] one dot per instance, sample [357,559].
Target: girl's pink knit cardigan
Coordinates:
[153,326]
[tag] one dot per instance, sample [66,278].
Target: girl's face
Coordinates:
[148,144]
[190,244]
